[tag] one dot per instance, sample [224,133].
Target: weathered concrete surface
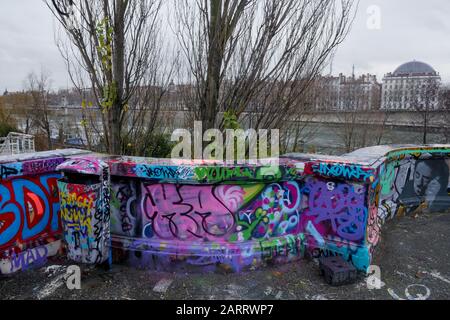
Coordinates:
[414,251]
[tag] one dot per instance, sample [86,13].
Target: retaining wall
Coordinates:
[30,229]
[201,216]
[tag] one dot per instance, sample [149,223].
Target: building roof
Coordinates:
[414,68]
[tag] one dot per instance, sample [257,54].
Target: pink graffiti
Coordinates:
[233,196]
[190,212]
[373,226]
[86,165]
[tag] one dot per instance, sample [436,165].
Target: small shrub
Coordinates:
[6,128]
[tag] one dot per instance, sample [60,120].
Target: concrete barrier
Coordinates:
[30,229]
[200,216]
[203,215]
[85,209]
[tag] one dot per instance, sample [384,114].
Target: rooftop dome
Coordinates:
[414,68]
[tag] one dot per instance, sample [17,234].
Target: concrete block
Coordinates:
[337,271]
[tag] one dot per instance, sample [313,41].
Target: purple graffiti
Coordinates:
[31,257]
[41,166]
[342,206]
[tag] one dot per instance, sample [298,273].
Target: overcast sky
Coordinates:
[409,30]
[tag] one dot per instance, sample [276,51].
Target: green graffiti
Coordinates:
[216,174]
[246,229]
[418,152]
[387,179]
[290,245]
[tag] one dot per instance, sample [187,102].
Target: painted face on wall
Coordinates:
[423,175]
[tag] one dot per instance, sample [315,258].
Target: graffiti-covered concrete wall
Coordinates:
[204,215]
[85,210]
[29,208]
[194,215]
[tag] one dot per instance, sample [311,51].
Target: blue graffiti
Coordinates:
[344,171]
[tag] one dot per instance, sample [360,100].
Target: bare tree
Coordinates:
[38,88]
[424,99]
[361,122]
[115,43]
[352,117]
[382,120]
[257,56]
[381,117]
[298,130]
[444,102]
[347,131]
[146,116]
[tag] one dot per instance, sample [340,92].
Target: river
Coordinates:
[327,138]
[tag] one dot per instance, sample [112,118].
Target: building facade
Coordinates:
[412,86]
[347,93]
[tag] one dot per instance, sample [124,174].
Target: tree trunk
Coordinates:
[425,127]
[118,61]
[27,126]
[114,128]
[49,140]
[215,58]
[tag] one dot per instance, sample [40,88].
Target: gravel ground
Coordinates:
[413,257]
